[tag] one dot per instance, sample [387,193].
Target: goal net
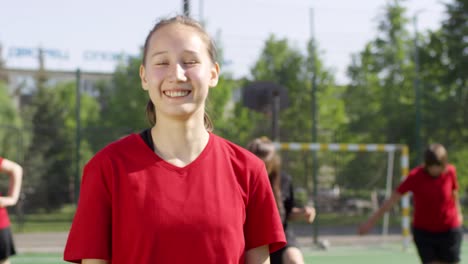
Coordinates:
[347,182]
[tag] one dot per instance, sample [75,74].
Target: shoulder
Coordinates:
[451,168]
[417,171]
[116,159]
[127,142]
[416,174]
[237,154]
[121,149]
[248,170]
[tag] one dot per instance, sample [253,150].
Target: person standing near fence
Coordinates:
[15,172]
[281,184]
[175,193]
[437,217]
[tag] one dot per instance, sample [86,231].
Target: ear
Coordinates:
[144,82]
[214,75]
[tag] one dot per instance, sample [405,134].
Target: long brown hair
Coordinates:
[190,22]
[265,149]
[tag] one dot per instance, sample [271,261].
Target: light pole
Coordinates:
[78,134]
[314,123]
[275,102]
[186,5]
[417,91]
[200,11]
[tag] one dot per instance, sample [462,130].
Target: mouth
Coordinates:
[176,93]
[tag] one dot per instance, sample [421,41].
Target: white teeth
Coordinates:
[176,93]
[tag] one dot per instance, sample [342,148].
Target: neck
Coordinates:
[179,141]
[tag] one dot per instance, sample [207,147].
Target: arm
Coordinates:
[456,197]
[296,212]
[259,255]
[15,171]
[306,212]
[90,235]
[367,226]
[94,261]
[457,204]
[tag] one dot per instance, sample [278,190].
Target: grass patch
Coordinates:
[56,221]
[383,254]
[340,219]
[42,258]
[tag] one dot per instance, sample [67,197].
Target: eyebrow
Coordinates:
[158,53]
[165,52]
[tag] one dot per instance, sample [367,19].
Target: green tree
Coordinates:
[331,117]
[89,117]
[226,111]
[10,132]
[125,101]
[43,158]
[444,74]
[380,97]
[287,66]
[455,32]
[9,125]
[444,70]
[281,64]
[50,160]
[221,107]
[232,120]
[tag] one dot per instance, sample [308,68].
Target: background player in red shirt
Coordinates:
[15,171]
[283,190]
[437,216]
[176,193]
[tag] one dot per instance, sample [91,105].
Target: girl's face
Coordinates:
[178,71]
[435,170]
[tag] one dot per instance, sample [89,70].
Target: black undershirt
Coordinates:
[147,138]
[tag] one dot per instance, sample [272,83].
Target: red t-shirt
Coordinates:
[4,219]
[434,204]
[135,207]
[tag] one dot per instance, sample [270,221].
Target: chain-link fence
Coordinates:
[52,168]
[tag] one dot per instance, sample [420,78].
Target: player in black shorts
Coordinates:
[283,191]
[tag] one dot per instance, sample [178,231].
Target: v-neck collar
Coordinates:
[145,138]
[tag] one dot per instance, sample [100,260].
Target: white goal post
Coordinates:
[389,148]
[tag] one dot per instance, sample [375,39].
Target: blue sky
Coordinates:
[80,31]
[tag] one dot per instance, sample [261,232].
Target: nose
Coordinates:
[177,73]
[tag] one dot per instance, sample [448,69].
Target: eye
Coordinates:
[190,62]
[161,63]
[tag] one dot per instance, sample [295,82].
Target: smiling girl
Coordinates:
[175,193]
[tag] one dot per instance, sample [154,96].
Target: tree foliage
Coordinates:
[444,75]
[49,159]
[10,123]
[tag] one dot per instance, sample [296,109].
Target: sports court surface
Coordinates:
[381,254]
[350,250]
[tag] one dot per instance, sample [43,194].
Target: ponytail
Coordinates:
[151,113]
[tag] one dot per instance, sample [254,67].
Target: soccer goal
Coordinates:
[390,149]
